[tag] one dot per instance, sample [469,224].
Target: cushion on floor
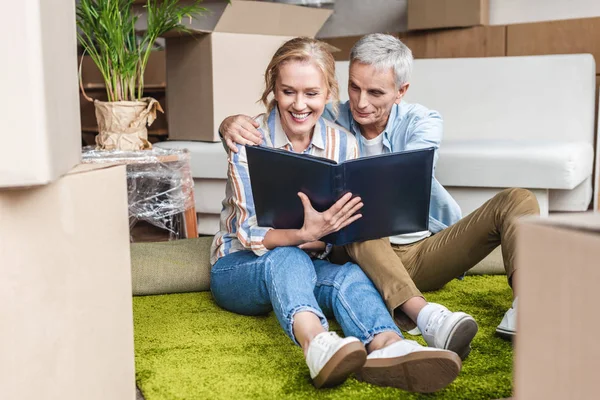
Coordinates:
[181,266]
[176,266]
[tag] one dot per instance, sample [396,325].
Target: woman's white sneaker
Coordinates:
[508,326]
[447,330]
[331,359]
[408,365]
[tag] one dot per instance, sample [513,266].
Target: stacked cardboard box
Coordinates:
[65,277]
[556,350]
[219,70]
[480,41]
[435,14]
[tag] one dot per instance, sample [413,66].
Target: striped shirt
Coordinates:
[239,229]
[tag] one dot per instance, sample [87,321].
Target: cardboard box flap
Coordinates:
[204,23]
[251,17]
[262,18]
[207,22]
[588,221]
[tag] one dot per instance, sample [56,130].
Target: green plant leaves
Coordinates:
[107,33]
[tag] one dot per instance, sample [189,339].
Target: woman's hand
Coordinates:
[313,246]
[341,214]
[240,129]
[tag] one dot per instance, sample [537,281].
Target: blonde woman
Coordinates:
[257,269]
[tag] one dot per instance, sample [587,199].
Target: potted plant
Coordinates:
[107,33]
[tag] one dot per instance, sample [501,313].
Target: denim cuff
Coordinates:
[300,308]
[370,334]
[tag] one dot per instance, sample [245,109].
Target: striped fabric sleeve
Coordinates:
[247,230]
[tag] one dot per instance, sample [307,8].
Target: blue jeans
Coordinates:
[287,281]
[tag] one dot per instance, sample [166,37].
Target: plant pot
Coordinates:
[123,125]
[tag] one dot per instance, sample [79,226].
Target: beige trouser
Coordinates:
[401,272]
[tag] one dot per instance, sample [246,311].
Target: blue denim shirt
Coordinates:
[409,127]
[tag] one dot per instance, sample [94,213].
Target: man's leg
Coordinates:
[344,291]
[385,269]
[435,261]
[455,330]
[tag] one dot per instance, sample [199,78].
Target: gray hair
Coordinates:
[383,52]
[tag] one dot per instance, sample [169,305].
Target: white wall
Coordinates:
[503,12]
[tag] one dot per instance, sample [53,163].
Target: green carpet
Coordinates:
[188,348]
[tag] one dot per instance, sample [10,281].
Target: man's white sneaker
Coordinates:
[331,359]
[508,326]
[448,330]
[408,365]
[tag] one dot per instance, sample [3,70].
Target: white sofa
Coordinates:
[509,121]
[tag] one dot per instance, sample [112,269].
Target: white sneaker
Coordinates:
[449,330]
[508,327]
[331,359]
[408,365]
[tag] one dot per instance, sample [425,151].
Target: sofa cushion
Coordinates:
[509,163]
[208,195]
[208,160]
[208,224]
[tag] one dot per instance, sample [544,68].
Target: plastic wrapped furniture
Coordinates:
[160,187]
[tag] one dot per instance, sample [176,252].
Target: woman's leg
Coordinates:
[345,292]
[284,280]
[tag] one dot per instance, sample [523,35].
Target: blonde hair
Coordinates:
[306,50]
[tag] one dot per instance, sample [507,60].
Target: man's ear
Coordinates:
[401,92]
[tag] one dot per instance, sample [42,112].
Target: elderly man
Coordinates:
[403,266]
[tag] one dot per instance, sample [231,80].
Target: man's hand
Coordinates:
[338,216]
[240,129]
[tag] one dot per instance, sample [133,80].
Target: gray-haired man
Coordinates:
[402,266]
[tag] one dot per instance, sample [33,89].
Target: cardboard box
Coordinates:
[482,41]
[359,17]
[155,75]
[65,289]
[343,46]
[39,106]
[219,71]
[432,14]
[556,37]
[556,349]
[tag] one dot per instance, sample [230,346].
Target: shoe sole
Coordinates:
[506,334]
[459,339]
[348,359]
[421,372]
